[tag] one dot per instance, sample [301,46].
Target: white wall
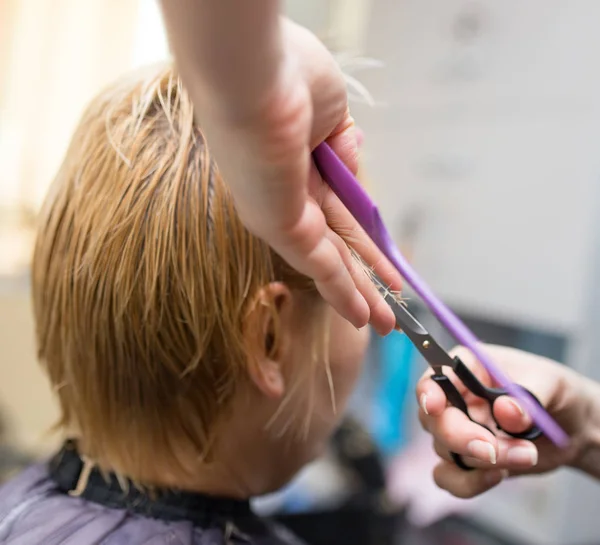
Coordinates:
[495,142]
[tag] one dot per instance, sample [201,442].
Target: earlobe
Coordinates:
[270,379]
[267,335]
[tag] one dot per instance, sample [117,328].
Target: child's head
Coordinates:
[179,344]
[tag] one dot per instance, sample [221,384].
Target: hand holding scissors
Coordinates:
[438,359]
[571,398]
[359,204]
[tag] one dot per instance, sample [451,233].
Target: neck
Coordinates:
[245,462]
[245,465]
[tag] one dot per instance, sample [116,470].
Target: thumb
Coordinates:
[535,373]
[510,415]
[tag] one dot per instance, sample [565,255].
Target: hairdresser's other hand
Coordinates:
[570,398]
[262,132]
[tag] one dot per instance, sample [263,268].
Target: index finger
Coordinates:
[345,225]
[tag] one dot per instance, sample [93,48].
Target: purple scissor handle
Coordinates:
[359,204]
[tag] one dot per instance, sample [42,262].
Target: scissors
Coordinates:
[438,358]
[350,192]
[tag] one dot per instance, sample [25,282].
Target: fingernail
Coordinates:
[423,402]
[494,477]
[482,451]
[523,456]
[516,406]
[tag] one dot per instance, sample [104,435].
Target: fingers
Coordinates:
[510,415]
[309,249]
[345,226]
[467,357]
[336,284]
[433,402]
[454,432]
[340,279]
[466,484]
[516,455]
[382,322]
[524,369]
[431,397]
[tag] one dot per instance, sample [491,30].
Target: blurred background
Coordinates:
[482,139]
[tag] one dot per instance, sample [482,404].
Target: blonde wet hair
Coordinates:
[142,277]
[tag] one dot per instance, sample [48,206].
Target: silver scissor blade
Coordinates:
[433,353]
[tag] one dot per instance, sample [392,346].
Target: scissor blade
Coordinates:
[433,353]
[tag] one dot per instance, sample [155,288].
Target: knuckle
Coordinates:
[462,485]
[464,354]
[439,449]
[464,493]
[445,434]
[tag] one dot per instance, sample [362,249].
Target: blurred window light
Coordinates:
[150,39]
[56,56]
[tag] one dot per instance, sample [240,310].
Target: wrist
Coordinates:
[233,101]
[587,458]
[227,53]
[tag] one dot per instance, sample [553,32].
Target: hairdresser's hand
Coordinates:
[263,147]
[570,398]
[279,193]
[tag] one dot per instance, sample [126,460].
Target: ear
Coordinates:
[268,328]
